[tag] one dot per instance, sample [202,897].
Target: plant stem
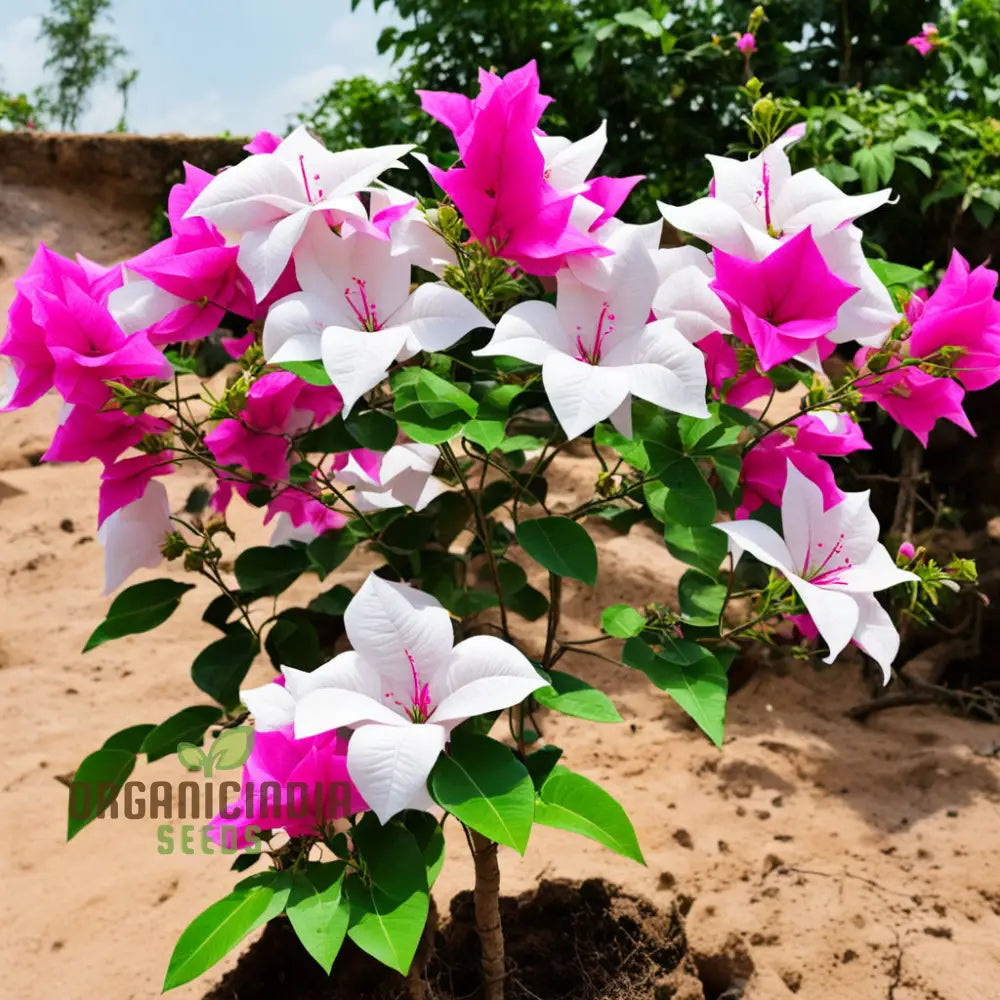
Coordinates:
[482,530]
[909,482]
[416,983]
[555,602]
[486,897]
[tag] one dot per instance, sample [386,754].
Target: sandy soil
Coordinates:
[816,857]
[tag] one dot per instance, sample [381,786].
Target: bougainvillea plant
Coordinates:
[401,378]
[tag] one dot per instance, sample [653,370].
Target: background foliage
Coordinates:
[667,78]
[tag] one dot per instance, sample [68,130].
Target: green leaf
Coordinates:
[487,430]
[897,274]
[496,493]
[312,372]
[486,433]
[187,726]
[655,495]
[691,675]
[701,435]
[430,839]
[622,621]
[332,602]
[129,739]
[220,667]
[689,498]
[181,365]
[217,930]
[572,696]
[139,609]
[915,138]
[512,576]
[362,429]
[569,801]
[540,764]
[584,52]
[389,912]
[863,160]
[528,603]
[620,519]
[728,467]
[232,748]
[700,598]
[428,408]
[96,784]
[222,608]
[372,429]
[318,912]
[326,553]
[885,161]
[482,783]
[293,641]
[561,546]
[919,163]
[702,547]
[639,17]
[632,451]
[522,442]
[268,570]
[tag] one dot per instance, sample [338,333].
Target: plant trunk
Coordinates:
[487,902]
[416,981]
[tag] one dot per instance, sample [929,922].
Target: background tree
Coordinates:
[667,79]
[80,56]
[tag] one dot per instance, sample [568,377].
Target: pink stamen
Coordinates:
[421,708]
[821,576]
[305,179]
[368,313]
[593,356]
[767,196]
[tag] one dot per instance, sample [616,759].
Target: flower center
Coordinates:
[365,310]
[827,573]
[593,356]
[419,708]
[765,193]
[305,181]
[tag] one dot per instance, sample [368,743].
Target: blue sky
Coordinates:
[211,65]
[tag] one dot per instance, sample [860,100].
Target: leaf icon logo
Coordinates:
[230,750]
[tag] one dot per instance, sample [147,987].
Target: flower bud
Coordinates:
[765,109]
[879,362]
[756,19]
[193,560]
[173,545]
[450,223]
[153,444]
[906,551]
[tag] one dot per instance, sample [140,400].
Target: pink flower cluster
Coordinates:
[82,330]
[504,189]
[62,334]
[927,41]
[955,333]
[788,269]
[802,442]
[296,785]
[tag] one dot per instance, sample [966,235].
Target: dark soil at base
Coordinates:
[565,941]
